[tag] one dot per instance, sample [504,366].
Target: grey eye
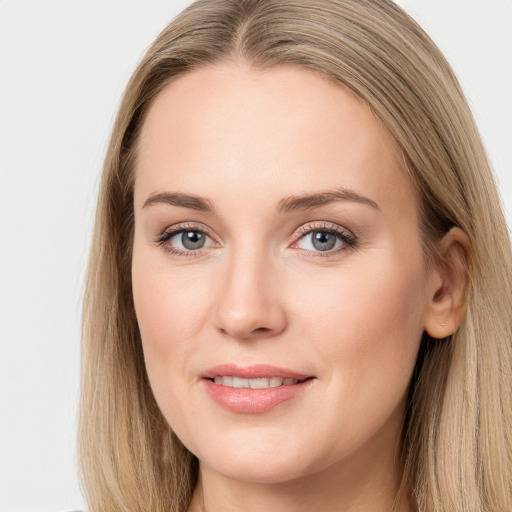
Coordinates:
[192,240]
[187,240]
[323,240]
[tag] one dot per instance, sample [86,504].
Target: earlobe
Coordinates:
[448,284]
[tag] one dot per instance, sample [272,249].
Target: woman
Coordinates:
[299,285]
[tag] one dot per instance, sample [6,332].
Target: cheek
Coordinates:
[169,315]
[360,303]
[170,310]
[169,303]
[366,325]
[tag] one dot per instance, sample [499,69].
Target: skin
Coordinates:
[259,292]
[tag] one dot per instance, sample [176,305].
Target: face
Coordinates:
[278,275]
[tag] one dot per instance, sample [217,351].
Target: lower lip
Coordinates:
[253,401]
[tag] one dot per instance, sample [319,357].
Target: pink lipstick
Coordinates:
[254,389]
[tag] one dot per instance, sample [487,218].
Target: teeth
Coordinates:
[260,383]
[275,382]
[263,383]
[240,383]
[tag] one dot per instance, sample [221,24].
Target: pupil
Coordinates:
[192,240]
[323,241]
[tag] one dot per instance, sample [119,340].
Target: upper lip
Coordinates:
[255,371]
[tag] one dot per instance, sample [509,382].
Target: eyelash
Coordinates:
[348,239]
[168,233]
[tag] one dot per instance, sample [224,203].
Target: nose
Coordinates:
[250,305]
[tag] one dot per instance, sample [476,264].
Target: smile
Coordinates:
[254,389]
[260,383]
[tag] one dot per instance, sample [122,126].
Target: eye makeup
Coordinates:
[195,240]
[318,239]
[325,239]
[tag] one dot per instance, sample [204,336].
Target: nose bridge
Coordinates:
[249,302]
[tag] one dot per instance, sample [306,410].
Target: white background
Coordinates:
[63,67]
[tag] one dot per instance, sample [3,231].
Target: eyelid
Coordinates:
[349,239]
[323,225]
[162,237]
[184,226]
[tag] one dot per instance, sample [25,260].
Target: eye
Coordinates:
[326,239]
[319,241]
[189,240]
[181,240]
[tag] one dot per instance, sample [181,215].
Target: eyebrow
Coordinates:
[176,199]
[316,200]
[288,204]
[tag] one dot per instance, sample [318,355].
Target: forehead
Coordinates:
[247,131]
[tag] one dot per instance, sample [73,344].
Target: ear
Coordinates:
[448,283]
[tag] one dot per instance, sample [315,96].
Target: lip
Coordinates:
[256,371]
[254,401]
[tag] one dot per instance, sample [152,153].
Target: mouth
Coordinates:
[254,389]
[258,383]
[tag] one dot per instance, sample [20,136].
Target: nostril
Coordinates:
[243,319]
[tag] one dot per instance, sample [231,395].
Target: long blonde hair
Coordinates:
[457,442]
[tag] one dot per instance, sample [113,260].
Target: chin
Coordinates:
[265,458]
[266,469]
